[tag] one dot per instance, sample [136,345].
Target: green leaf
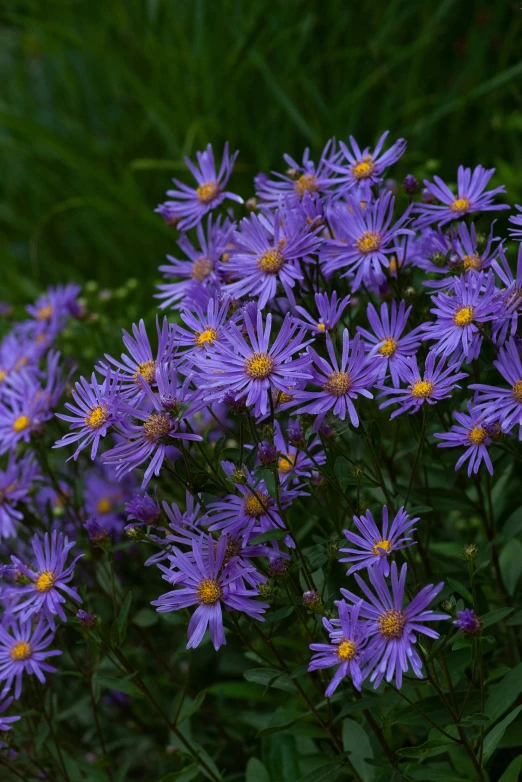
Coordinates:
[511,564]
[492,617]
[504,694]
[185,775]
[271,534]
[321,774]
[268,677]
[512,773]
[460,589]
[493,737]
[145,617]
[476,719]
[119,628]
[256,771]
[357,744]
[119,685]
[191,706]
[429,749]
[269,479]
[341,469]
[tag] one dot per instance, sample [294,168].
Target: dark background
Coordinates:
[101,100]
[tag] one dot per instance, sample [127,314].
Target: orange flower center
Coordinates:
[259,365]
[392,623]
[207,192]
[209,591]
[338,383]
[364,168]
[369,242]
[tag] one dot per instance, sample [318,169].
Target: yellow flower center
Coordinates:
[517,391]
[286,464]
[281,397]
[259,365]
[464,316]
[96,417]
[209,591]
[346,650]
[460,205]
[147,370]
[422,389]
[368,242]
[201,269]
[338,383]
[256,506]
[321,327]
[21,650]
[21,423]
[45,312]
[207,337]
[382,546]
[477,435]
[3,375]
[103,505]
[392,623]
[388,347]
[207,192]
[393,265]
[307,183]
[157,425]
[232,550]
[364,168]
[472,262]
[271,261]
[45,581]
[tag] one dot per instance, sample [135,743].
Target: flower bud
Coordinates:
[468,622]
[311,598]
[99,536]
[470,552]
[296,434]
[251,204]
[410,185]
[427,197]
[87,619]
[277,566]
[267,453]
[316,479]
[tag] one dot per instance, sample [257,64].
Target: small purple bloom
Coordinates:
[330,311]
[512,298]
[387,343]
[474,435]
[340,382]
[503,404]
[472,196]
[364,168]
[22,646]
[16,482]
[468,622]
[191,204]
[436,383]
[95,412]
[473,301]
[205,326]
[375,546]
[367,241]
[394,626]
[143,509]
[253,369]
[346,647]
[49,579]
[204,580]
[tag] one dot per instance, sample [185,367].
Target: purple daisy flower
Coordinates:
[140,361]
[468,622]
[16,481]
[512,300]
[22,646]
[6,723]
[387,342]
[58,304]
[49,579]
[205,326]
[393,625]
[95,412]
[472,196]
[339,382]
[292,461]
[374,546]
[26,404]
[503,404]
[266,253]
[367,240]
[437,382]
[472,433]
[365,168]
[205,580]
[251,512]
[330,310]
[516,233]
[158,426]
[104,497]
[198,276]
[191,204]
[142,509]
[253,369]
[300,179]
[346,648]
[457,331]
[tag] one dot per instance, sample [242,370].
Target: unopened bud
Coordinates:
[410,185]
[470,552]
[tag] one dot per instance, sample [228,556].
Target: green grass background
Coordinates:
[101,99]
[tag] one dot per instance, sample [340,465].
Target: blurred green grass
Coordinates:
[100,101]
